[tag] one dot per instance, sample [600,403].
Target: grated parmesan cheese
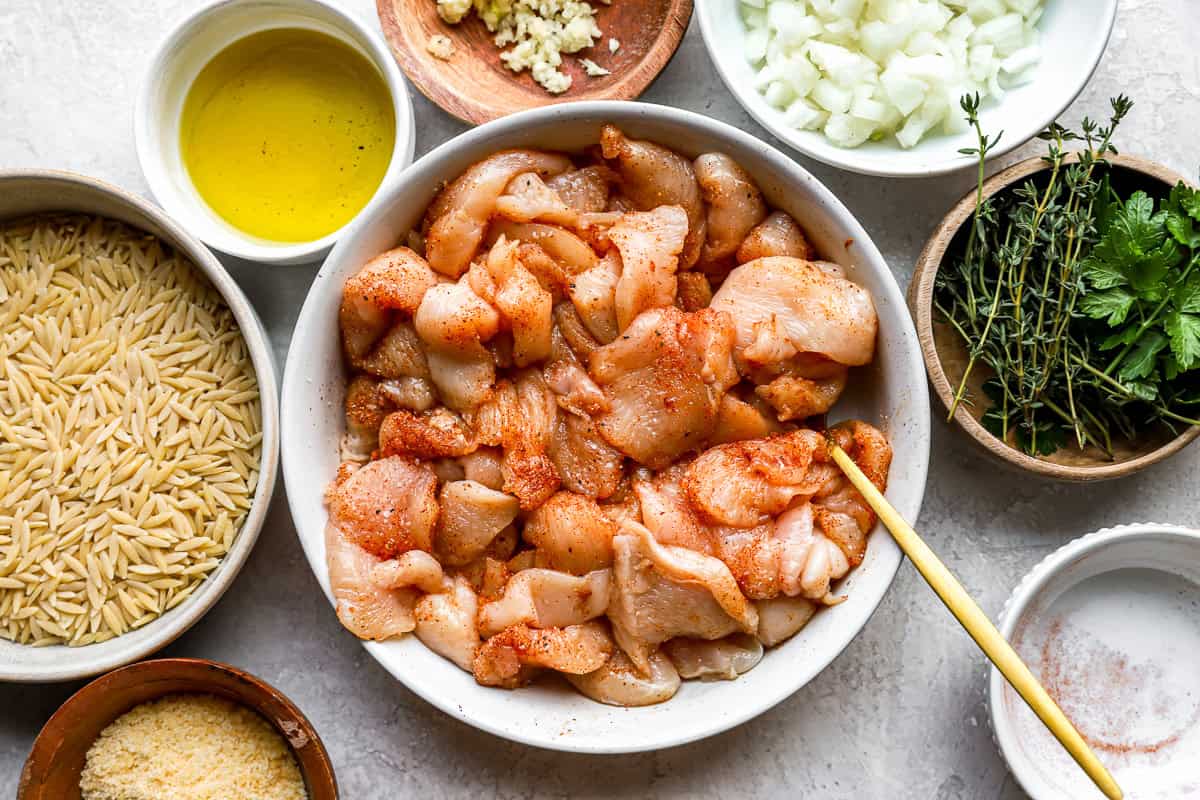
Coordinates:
[190,747]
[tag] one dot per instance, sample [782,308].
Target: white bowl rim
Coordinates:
[293,378]
[243,247]
[1004,733]
[905,165]
[174,623]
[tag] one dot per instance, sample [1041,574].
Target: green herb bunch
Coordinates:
[1083,306]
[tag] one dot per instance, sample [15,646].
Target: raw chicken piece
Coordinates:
[386,507]
[840,510]
[416,568]
[445,623]
[453,322]
[594,295]
[569,324]
[735,205]
[573,253]
[568,378]
[584,189]
[743,483]
[439,433]
[586,463]
[667,514]
[738,420]
[550,273]
[391,282]
[463,381]
[415,394]
[649,243]
[571,533]
[784,306]
[397,354]
[505,659]
[457,219]
[694,291]
[472,516]
[546,598]
[664,379]
[789,557]
[520,417]
[619,683]
[661,592]
[781,618]
[810,386]
[525,307]
[364,608]
[777,235]
[527,198]
[653,176]
[483,466]
[366,407]
[721,659]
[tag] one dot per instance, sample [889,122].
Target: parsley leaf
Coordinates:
[1112,305]
[1187,295]
[1183,212]
[1135,245]
[1184,332]
[1141,359]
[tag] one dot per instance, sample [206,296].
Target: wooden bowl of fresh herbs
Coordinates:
[1072,352]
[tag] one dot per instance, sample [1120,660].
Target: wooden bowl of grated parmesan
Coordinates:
[181,728]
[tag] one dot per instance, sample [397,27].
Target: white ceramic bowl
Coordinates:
[185,51]
[33,191]
[1108,624]
[1073,39]
[892,392]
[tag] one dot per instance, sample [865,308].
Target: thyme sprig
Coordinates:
[1075,299]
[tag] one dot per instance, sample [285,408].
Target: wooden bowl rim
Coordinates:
[418,68]
[317,769]
[920,302]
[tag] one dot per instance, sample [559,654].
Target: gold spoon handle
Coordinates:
[981,629]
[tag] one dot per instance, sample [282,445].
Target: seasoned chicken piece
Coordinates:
[504,660]
[584,189]
[721,659]
[415,394]
[781,618]
[483,466]
[777,235]
[649,243]
[735,205]
[586,463]
[661,592]
[840,510]
[397,354]
[525,307]
[789,557]
[570,325]
[573,253]
[546,598]
[439,433]
[453,322]
[472,517]
[694,291]
[619,683]
[386,507]
[364,608]
[445,623]
[527,198]
[743,483]
[667,514]
[416,568]
[784,306]
[664,379]
[653,176]
[571,533]
[594,295]
[569,380]
[392,282]
[738,420]
[457,219]
[551,274]
[487,576]
[810,386]
[366,406]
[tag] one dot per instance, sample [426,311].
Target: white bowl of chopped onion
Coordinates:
[890,392]
[874,87]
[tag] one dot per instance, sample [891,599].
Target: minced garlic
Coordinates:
[540,31]
[440,46]
[190,747]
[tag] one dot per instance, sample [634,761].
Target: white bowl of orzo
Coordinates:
[138,427]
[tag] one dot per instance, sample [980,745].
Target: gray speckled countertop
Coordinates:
[900,714]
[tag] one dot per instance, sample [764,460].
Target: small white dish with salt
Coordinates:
[1110,625]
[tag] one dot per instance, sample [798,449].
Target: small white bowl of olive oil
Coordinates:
[266,126]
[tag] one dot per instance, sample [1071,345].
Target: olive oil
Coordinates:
[287,133]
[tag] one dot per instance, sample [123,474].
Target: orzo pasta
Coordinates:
[130,429]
